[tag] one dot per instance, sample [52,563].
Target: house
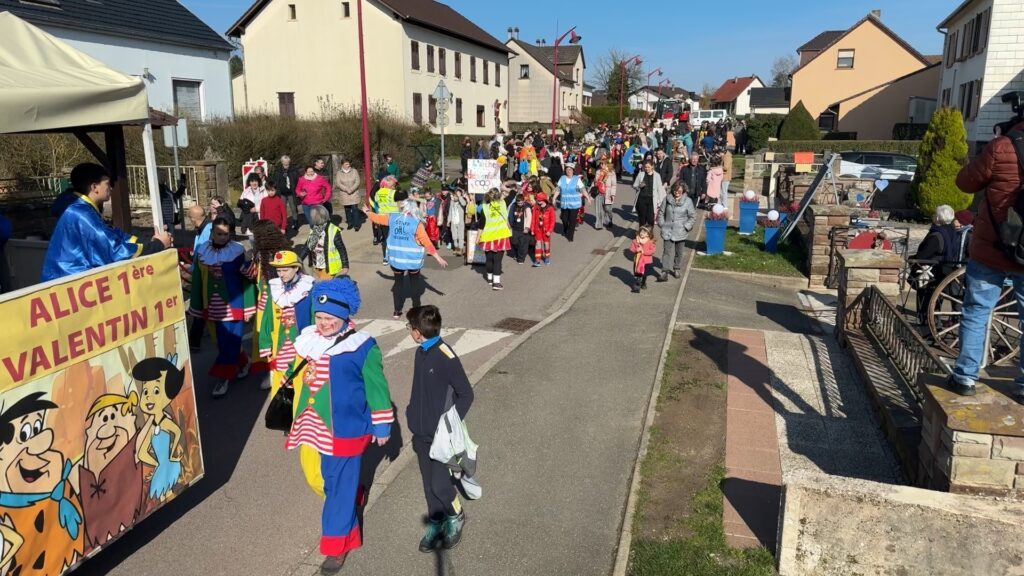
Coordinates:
[411,46]
[645,99]
[530,93]
[734,95]
[588,94]
[769,100]
[182,60]
[864,80]
[981,62]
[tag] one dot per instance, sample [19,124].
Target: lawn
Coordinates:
[748,255]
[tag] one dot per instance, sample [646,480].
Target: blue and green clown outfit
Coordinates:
[340,415]
[220,271]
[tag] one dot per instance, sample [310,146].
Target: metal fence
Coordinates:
[138,185]
[31,189]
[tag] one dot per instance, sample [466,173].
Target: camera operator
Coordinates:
[996,175]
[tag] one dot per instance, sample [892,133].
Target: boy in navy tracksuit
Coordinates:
[436,369]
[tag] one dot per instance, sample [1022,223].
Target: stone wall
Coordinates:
[814,228]
[859,269]
[212,180]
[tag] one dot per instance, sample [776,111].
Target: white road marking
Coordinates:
[408,343]
[474,340]
[378,328]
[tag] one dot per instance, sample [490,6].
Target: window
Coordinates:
[845,59]
[417,108]
[458,110]
[497,74]
[286,104]
[415,51]
[946,93]
[827,122]
[187,99]
[458,65]
[291,12]
[965,46]
[480,112]
[977,99]
[432,110]
[962,98]
[524,71]
[442,64]
[951,48]
[472,68]
[430,59]
[487,71]
[982,22]
[346,10]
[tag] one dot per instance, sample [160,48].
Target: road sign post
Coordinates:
[441,96]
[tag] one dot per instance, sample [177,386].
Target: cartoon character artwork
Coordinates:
[110,476]
[10,543]
[36,493]
[159,380]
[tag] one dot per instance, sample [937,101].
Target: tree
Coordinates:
[609,76]
[706,90]
[236,66]
[762,127]
[799,125]
[782,67]
[942,153]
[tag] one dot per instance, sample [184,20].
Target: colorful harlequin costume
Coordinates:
[286,311]
[223,295]
[342,401]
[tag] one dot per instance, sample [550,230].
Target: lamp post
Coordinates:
[574,39]
[367,163]
[442,97]
[622,81]
[647,92]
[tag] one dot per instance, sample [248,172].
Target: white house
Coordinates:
[734,95]
[645,99]
[411,45]
[982,60]
[531,88]
[183,61]
[769,100]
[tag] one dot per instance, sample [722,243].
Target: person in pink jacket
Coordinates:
[313,189]
[643,257]
[716,175]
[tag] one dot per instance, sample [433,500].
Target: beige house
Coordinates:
[532,82]
[301,57]
[863,79]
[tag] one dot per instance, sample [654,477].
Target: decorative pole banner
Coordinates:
[483,175]
[98,422]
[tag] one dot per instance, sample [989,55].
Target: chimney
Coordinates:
[511,35]
[877,14]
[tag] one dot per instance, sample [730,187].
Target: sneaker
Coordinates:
[453,530]
[675,273]
[431,536]
[265,383]
[244,371]
[635,289]
[332,564]
[385,262]
[547,261]
[961,389]
[536,263]
[663,277]
[497,286]
[397,315]
[220,389]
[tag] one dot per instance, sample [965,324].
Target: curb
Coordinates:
[626,537]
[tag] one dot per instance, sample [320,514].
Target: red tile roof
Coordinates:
[732,88]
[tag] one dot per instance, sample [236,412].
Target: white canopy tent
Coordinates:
[48,86]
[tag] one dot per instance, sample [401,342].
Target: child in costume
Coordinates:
[542,225]
[436,372]
[222,294]
[267,241]
[495,239]
[343,402]
[286,314]
[432,209]
[519,220]
[643,247]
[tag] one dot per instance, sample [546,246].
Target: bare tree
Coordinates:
[706,90]
[609,76]
[782,67]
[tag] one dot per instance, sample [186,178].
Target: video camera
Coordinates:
[1016,101]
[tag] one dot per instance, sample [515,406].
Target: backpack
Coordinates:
[1010,234]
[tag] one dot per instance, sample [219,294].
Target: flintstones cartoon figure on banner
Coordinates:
[158,381]
[36,490]
[110,475]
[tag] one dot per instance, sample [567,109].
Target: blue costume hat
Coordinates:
[338,297]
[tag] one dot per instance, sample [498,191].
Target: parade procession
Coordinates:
[307,288]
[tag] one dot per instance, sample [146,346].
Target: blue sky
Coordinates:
[745,35]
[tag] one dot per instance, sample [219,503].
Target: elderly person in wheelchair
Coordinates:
[943,250]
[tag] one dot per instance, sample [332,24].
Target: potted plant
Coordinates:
[748,212]
[773,224]
[716,223]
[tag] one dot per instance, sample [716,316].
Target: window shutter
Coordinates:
[986,22]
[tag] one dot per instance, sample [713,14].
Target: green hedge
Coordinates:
[909,147]
[610,114]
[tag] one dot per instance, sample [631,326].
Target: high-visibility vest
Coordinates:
[334,263]
[496,222]
[404,253]
[385,199]
[570,192]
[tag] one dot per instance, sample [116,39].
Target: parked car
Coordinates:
[712,116]
[886,160]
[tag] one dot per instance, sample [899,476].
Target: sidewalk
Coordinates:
[558,422]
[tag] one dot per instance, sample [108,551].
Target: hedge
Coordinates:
[610,114]
[909,147]
[799,125]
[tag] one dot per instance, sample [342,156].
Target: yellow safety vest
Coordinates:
[496,225]
[334,263]
[385,199]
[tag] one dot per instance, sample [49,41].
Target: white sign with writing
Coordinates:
[483,175]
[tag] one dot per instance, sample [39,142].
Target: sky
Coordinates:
[692,42]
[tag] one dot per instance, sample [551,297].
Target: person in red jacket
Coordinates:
[272,207]
[996,175]
[542,226]
[643,248]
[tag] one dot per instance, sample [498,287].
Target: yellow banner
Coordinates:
[72,320]
[98,420]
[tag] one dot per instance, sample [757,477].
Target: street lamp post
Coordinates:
[647,92]
[622,81]
[367,163]
[442,96]
[574,39]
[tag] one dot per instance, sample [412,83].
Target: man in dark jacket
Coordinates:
[938,253]
[285,178]
[695,177]
[996,175]
[665,167]
[436,372]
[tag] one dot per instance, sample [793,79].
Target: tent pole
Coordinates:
[151,179]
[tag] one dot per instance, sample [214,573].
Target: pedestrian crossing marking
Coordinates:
[408,343]
[474,340]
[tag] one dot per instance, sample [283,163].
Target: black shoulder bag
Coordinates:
[281,409]
[1011,232]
